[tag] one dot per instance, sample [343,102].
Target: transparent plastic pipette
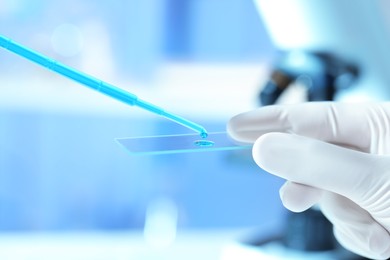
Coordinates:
[95,83]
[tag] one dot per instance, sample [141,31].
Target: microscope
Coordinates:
[321,74]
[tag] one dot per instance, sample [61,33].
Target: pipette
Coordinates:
[96,84]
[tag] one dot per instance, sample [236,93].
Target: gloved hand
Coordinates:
[333,154]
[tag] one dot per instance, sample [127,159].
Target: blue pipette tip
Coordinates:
[203,135]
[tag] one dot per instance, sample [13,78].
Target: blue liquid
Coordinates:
[204,143]
[96,84]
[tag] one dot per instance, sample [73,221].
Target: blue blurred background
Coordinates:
[61,171]
[60,168]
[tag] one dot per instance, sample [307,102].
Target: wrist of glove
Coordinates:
[333,154]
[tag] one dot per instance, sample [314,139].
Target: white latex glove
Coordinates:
[333,154]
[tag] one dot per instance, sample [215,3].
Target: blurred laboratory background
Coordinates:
[67,189]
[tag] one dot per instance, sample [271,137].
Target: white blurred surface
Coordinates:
[112,246]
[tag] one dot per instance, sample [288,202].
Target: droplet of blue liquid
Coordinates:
[204,143]
[203,135]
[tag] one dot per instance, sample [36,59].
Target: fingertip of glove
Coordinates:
[287,202]
[233,127]
[240,131]
[297,197]
[265,148]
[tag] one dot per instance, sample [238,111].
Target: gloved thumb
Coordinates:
[316,164]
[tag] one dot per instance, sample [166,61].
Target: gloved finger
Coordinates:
[355,228]
[344,124]
[317,164]
[248,126]
[299,197]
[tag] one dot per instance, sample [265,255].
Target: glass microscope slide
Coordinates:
[185,143]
